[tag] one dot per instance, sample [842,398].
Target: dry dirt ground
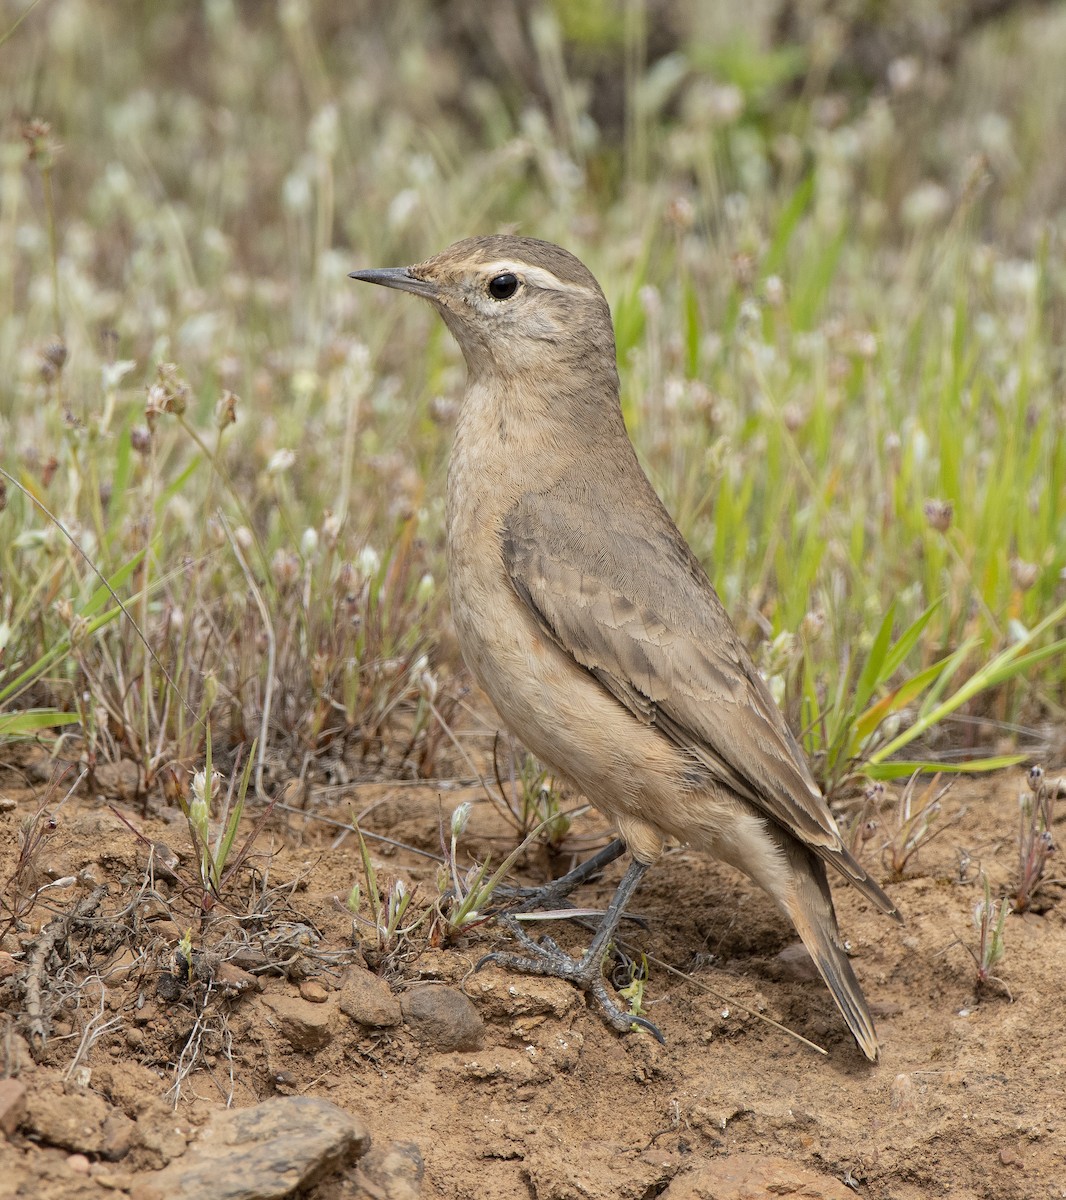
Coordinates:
[542,1100]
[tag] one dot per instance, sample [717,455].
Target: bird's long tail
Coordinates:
[809,904]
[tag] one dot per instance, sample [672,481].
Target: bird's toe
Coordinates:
[546,958]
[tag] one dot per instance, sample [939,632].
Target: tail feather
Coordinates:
[857,875]
[810,906]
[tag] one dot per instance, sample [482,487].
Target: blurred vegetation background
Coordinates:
[832,238]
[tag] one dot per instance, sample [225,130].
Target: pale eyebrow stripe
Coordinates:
[538,276]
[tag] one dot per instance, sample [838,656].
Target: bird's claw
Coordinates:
[547,959]
[547,897]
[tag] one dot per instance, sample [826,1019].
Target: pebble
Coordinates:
[265,1152]
[369,1001]
[304,1026]
[794,963]
[396,1170]
[74,1122]
[443,1018]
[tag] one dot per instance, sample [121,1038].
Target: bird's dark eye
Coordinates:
[503,287]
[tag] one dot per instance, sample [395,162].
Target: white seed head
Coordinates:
[460,817]
[280,460]
[368,562]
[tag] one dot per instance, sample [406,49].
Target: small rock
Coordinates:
[117,1136]
[168,930]
[755,1177]
[165,861]
[395,1170]
[261,1153]
[12,1104]
[902,1092]
[504,995]
[794,963]
[235,982]
[645,1056]
[73,1122]
[156,911]
[313,992]
[369,1001]
[286,1083]
[161,1141]
[107,1177]
[42,769]
[168,987]
[304,1026]
[133,1089]
[9,965]
[79,1164]
[123,965]
[442,1017]
[118,781]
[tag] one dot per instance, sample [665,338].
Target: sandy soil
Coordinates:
[967,1102]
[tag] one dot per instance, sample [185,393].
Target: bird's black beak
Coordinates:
[399,278]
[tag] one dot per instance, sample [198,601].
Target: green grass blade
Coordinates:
[114,582]
[872,671]
[897,655]
[901,769]
[33,720]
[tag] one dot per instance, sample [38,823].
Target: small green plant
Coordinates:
[843,728]
[864,820]
[1014,662]
[530,797]
[1035,841]
[989,917]
[918,820]
[465,896]
[213,855]
[632,990]
[81,619]
[389,906]
[183,956]
[850,732]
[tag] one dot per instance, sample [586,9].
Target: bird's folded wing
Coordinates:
[608,607]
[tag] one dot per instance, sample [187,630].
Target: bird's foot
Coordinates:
[554,895]
[545,957]
[548,897]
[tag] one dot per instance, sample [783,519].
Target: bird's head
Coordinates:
[517,306]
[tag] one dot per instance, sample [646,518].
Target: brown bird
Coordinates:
[591,625]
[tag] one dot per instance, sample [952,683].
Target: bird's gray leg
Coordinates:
[544,957]
[551,895]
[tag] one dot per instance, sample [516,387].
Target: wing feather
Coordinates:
[657,638]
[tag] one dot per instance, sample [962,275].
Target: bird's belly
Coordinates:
[626,768]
